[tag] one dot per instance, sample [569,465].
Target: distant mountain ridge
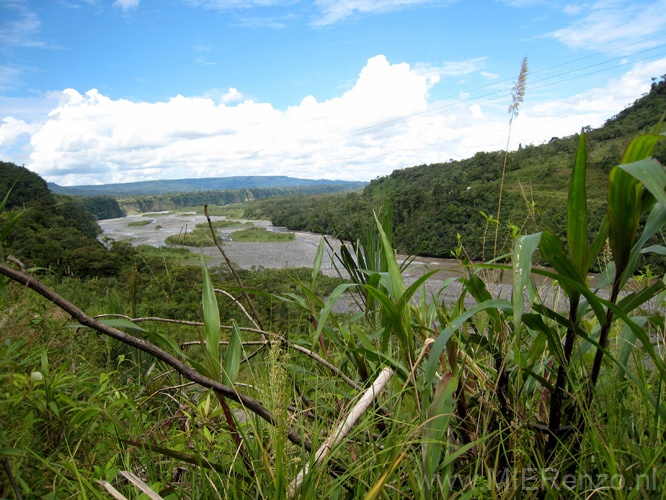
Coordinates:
[194,185]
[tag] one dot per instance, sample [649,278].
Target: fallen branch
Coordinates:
[343,429]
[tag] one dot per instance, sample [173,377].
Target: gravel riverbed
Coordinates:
[299,252]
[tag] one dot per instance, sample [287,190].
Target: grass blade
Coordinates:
[211,316]
[523,251]
[577,211]
[233,356]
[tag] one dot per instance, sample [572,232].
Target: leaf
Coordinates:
[598,243]
[553,251]
[536,322]
[640,147]
[211,316]
[657,249]
[439,415]
[624,195]
[637,299]
[624,213]
[651,174]
[523,251]
[330,302]
[393,269]
[316,266]
[546,385]
[119,323]
[441,340]
[11,452]
[577,211]
[233,356]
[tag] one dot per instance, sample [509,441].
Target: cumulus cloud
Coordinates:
[383,122]
[612,23]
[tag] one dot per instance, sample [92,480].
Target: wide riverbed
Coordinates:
[299,252]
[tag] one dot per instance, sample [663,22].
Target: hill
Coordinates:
[53,231]
[199,185]
[433,204]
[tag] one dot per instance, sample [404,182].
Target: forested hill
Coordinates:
[434,203]
[53,231]
[198,185]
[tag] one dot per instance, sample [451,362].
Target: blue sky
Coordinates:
[99,91]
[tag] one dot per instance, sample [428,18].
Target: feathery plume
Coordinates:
[517,96]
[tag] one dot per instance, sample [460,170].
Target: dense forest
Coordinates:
[54,232]
[433,204]
[171,201]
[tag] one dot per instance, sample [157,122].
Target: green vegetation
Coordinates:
[196,238]
[156,214]
[139,223]
[204,391]
[217,224]
[177,201]
[102,207]
[53,231]
[261,234]
[231,211]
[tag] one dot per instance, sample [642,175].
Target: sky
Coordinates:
[110,91]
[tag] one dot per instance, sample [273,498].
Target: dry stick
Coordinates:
[343,429]
[235,300]
[8,470]
[233,269]
[136,481]
[187,371]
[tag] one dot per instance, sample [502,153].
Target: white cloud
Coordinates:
[11,129]
[126,5]
[204,62]
[236,4]
[382,123]
[573,9]
[20,29]
[330,11]
[337,10]
[489,76]
[232,95]
[9,76]
[613,23]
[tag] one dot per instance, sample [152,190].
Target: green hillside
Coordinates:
[53,231]
[434,203]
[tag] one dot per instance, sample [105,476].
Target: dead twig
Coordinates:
[233,269]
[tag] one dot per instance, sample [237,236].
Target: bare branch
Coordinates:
[231,266]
